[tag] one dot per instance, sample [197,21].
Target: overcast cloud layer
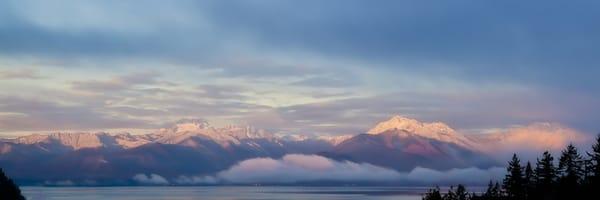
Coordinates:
[305,67]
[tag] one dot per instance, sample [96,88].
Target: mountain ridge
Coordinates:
[193,147]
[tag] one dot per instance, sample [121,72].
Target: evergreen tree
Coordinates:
[545,171]
[529,180]
[514,182]
[433,194]
[587,171]
[595,161]
[497,191]
[492,193]
[545,174]
[450,195]
[529,174]
[571,180]
[8,189]
[592,175]
[570,166]
[460,193]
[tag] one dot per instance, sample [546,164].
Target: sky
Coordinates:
[308,67]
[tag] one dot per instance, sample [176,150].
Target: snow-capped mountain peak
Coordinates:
[187,129]
[411,125]
[435,130]
[188,125]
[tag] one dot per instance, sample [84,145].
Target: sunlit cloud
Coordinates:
[297,168]
[531,140]
[19,74]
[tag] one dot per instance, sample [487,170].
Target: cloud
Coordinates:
[42,115]
[222,91]
[530,141]
[297,168]
[20,74]
[152,179]
[396,50]
[303,168]
[131,100]
[460,37]
[336,81]
[470,108]
[117,83]
[265,68]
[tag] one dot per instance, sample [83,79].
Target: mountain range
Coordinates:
[192,147]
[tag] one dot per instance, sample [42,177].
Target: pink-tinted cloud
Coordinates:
[297,168]
[529,141]
[20,74]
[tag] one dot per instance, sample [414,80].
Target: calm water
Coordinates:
[223,193]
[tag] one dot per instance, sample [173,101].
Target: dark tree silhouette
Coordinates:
[545,171]
[514,182]
[595,162]
[571,180]
[592,170]
[529,180]
[433,194]
[492,192]
[451,195]
[570,169]
[460,193]
[570,165]
[8,189]
[545,174]
[529,174]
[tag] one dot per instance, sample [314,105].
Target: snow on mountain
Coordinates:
[402,143]
[189,125]
[127,140]
[436,130]
[294,137]
[331,139]
[85,140]
[181,132]
[74,140]
[184,132]
[335,139]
